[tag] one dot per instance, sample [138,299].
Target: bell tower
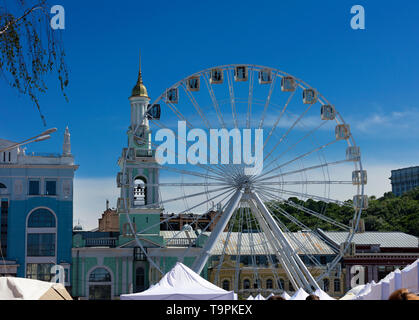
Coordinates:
[139,174]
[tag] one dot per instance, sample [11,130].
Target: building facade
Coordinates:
[403,180]
[373,255]
[36,192]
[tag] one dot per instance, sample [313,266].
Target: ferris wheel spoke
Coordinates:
[301,246]
[249,101]
[200,261]
[214,101]
[297,158]
[185,142]
[187,197]
[306,195]
[213,221]
[278,119]
[280,183]
[281,248]
[195,220]
[288,131]
[191,173]
[267,247]
[185,184]
[232,99]
[196,106]
[268,100]
[252,251]
[226,242]
[274,197]
[326,164]
[295,144]
[239,245]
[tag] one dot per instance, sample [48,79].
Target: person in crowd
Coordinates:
[403,294]
[276,298]
[312,297]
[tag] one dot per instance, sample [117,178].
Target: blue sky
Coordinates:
[370,75]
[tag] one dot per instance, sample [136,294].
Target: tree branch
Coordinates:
[6,27]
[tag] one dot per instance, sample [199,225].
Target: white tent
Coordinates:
[259,297]
[351,294]
[13,288]
[250,298]
[271,295]
[181,283]
[323,295]
[285,295]
[300,294]
[407,278]
[410,277]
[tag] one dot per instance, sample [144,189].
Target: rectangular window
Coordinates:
[41,245]
[51,188]
[39,271]
[3,226]
[34,187]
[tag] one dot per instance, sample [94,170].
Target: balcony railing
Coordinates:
[101,242]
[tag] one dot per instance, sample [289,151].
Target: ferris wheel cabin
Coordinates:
[193,83]
[353,153]
[241,73]
[328,112]
[216,76]
[265,76]
[360,202]
[288,84]
[172,95]
[309,96]
[342,131]
[359,177]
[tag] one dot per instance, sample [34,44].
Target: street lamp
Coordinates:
[40,137]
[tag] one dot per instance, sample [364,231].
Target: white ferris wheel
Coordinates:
[269,219]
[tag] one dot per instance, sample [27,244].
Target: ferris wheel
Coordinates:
[268,215]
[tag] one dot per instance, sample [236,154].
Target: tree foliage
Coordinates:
[388,213]
[30,49]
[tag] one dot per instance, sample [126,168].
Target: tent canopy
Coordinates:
[323,295]
[12,288]
[300,294]
[181,283]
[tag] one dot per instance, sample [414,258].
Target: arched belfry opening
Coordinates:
[140,191]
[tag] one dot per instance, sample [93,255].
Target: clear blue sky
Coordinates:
[370,75]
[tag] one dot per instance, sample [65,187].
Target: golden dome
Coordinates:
[139,90]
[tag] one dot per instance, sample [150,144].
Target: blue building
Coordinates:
[36,192]
[403,180]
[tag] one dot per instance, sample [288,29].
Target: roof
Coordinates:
[384,239]
[256,244]
[6,143]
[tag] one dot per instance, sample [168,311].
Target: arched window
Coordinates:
[100,284]
[269,284]
[226,285]
[281,284]
[139,279]
[246,284]
[336,285]
[326,284]
[41,218]
[100,275]
[140,191]
[41,243]
[290,286]
[126,229]
[256,284]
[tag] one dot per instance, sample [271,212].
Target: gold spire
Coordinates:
[139,90]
